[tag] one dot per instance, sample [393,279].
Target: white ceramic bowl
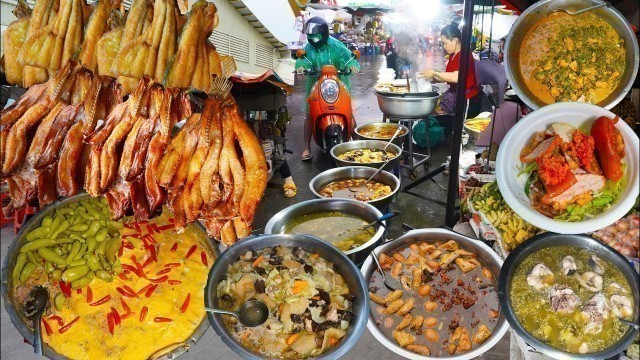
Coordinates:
[579,115]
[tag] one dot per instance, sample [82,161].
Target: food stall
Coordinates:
[145,243]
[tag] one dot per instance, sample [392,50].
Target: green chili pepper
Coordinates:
[75,273]
[21,261]
[55,275]
[116,268]
[52,256]
[77,262]
[48,266]
[83,250]
[33,258]
[104,275]
[134,241]
[64,225]
[38,233]
[82,282]
[77,238]
[102,234]
[26,272]
[64,211]
[116,224]
[58,301]
[100,248]
[75,249]
[93,262]
[55,222]
[112,248]
[46,221]
[104,263]
[93,229]
[81,227]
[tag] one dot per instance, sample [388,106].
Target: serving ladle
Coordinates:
[33,308]
[572,13]
[252,313]
[385,280]
[630,323]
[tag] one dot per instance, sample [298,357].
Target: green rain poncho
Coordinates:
[332,53]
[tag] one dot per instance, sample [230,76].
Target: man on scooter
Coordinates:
[322,50]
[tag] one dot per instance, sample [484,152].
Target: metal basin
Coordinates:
[543,8]
[353,207]
[407,106]
[13,309]
[357,172]
[348,270]
[399,140]
[487,256]
[594,246]
[366,144]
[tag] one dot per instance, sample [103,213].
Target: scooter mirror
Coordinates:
[356,53]
[300,54]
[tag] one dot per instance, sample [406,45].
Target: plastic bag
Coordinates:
[436,132]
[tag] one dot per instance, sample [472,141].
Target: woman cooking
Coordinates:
[451,39]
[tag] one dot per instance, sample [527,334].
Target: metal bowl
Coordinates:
[348,270]
[487,256]
[407,106]
[399,140]
[14,310]
[594,246]
[366,144]
[357,172]
[539,10]
[353,207]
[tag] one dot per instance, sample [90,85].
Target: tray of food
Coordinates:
[446,304]
[317,299]
[110,283]
[564,295]
[570,168]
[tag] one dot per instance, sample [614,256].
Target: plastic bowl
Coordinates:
[579,115]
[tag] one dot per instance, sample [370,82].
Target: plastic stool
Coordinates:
[19,215]
[5,221]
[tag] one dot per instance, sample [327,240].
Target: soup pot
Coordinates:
[357,172]
[361,209]
[399,140]
[485,254]
[366,144]
[546,240]
[347,269]
[539,10]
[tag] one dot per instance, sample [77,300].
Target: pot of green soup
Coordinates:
[564,295]
[336,221]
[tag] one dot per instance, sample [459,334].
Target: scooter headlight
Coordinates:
[330,90]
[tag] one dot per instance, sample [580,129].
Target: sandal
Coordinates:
[290,190]
[306,157]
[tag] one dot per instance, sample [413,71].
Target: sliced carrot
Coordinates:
[257,261]
[332,341]
[299,286]
[291,339]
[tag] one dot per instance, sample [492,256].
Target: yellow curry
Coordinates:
[136,315]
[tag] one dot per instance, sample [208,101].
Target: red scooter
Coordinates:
[330,110]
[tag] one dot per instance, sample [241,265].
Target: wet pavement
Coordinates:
[415,212]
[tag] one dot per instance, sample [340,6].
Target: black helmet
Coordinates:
[317,26]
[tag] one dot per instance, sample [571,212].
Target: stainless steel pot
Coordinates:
[407,106]
[399,140]
[357,172]
[14,310]
[348,270]
[485,255]
[539,10]
[353,207]
[366,144]
[594,246]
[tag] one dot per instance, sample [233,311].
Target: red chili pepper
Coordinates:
[110,322]
[47,328]
[159,280]
[171,220]
[149,229]
[68,326]
[138,229]
[172,265]
[89,294]
[127,315]
[152,250]
[135,235]
[147,262]
[155,228]
[123,275]
[144,289]
[151,239]
[191,250]
[129,290]
[131,268]
[125,307]
[203,257]
[185,304]
[101,301]
[65,288]
[124,293]
[143,313]
[165,271]
[121,251]
[151,290]
[174,282]
[57,318]
[160,319]
[79,291]
[143,222]
[116,316]
[174,247]
[126,225]
[128,245]
[166,227]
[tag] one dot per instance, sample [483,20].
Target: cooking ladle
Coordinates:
[392,138]
[371,177]
[376,221]
[252,313]
[630,323]
[385,279]
[33,308]
[572,13]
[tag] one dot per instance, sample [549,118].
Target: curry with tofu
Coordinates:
[572,58]
[309,302]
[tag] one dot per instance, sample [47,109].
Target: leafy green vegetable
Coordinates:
[528,168]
